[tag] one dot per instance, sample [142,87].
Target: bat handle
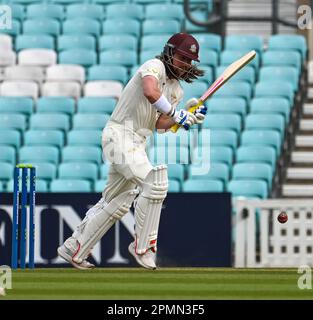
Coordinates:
[176,126]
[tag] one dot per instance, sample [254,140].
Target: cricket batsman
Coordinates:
[148,102]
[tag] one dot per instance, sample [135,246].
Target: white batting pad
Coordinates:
[148,209]
[99,219]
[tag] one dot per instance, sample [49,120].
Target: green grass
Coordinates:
[167,283]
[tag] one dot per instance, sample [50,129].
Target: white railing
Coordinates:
[261,241]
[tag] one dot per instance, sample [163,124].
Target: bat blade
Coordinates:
[230,71]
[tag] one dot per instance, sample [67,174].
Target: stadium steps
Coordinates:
[297,191]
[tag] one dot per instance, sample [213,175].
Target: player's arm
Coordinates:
[152,92]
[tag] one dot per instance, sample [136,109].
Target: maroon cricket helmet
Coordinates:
[184,44]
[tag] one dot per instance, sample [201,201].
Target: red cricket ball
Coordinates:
[282,217]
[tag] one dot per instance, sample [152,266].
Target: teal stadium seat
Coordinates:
[159,26]
[125,10]
[29,154]
[74,41]
[194,90]
[14,31]
[12,121]
[7,154]
[280,73]
[45,170]
[173,186]
[121,26]
[265,121]
[50,121]
[16,105]
[10,138]
[45,10]
[96,105]
[239,89]
[56,105]
[210,154]
[179,139]
[246,74]
[209,58]
[90,121]
[176,172]
[82,26]
[81,154]
[44,138]
[118,42]
[107,72]
[253,171]
[208,76]
[6,171]
[201,15]
[164,11]
[46,26]
[223,122]
[229,56]
[83,57]
[70,185]
[41,41]
[169,155]
[227,105]
[1,187]
[282,58]
[248,188]
[244,42]
[271,105]
[270,88]
[127,58]
[154,41]
[41,185]
[292,42]
[100,185]
[203,186]
[84,138]
[264,154]
[147,55]
[209,41]
[223,138]
[17,11]
[104,171]
[262,138]
[86,10]
[78,170]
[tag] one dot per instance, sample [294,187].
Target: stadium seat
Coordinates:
[66,73]
[265,121]
[24,73]
[90,121]
[210,154]
[1,187]
[50,121]
[121,26]
[125,10]
[86,10]
[245,74]
[10,137]
[45,170]
[84,137]
[6,171]
[223,138]
[45,10]
[70,185]
[179,139]
[223,121]
[265,154]
[216,171]
[103,88]
[12,121]
[210,58]
[42,26]
[127,58]
[176,172]
[7,58]
[208,76]
[293,42]
[164,11]
[147,55]
[56,105]
[248,188]
[70,89]
[14,31]
[239,89]
[74,41]
[262,138]
[19,89]
[82,26]
[78,170]
[104,170]
[209,41]
[173,186]
[159,26]
[229,56]
[203,186]
[154,41]
[16,105]
[7,154]
[107,72]
[244,42]
[199,14]
[100,185]
[118,42]
[6,43]
[29,154]
[40,41]
[282,58]
[193,90]
[227,105]
[90,154]
[37,57]
[271,105]
[282,89]
[44,138]
[96,105]
[169,155]
[41,185]
[83,57]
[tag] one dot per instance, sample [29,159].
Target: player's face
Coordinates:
[181,64]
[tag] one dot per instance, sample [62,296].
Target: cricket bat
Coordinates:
[220,81]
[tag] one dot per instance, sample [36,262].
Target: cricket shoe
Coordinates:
[68,250]
[146,260]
